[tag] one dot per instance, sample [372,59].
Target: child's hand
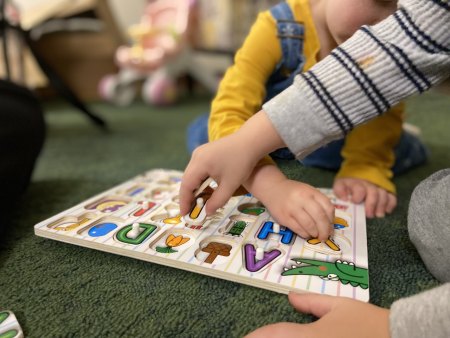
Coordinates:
[378,201]
[339,317]
[229,161]
[302,208]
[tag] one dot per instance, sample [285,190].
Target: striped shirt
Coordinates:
[380,65]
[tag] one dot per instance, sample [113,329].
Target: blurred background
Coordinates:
[81,41]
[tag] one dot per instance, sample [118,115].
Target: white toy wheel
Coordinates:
[110,89]
[160,90]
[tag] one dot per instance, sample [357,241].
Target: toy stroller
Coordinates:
[157,56]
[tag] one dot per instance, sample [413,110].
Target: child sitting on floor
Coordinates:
[285,41]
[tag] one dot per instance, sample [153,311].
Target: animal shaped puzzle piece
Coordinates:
[342,271]
[197,215]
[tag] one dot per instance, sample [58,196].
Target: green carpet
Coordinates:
[62,290]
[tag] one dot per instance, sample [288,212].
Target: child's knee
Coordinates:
[197,132]
[429,223]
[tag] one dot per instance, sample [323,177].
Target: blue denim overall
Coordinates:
[409,152]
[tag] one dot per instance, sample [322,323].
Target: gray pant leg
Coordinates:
[429,223]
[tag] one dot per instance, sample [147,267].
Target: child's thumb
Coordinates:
[317,305]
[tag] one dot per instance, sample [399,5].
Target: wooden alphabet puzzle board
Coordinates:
[241,243]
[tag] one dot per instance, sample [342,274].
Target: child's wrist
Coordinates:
[261,134]
[263,179]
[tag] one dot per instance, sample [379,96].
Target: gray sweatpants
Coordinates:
[429,223]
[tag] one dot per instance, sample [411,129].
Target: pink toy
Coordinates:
[157,55]
[160,36]
[162,51]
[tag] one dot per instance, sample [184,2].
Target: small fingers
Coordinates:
[371,201]
[322,211]
[219,197]
[293,224]
[341,190]
[305,224]
[318,305]
[191,180]
[326,205]
[358,192]
[391,204]
[286,330]
[380,209]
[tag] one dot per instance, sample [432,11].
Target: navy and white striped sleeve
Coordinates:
[376,68]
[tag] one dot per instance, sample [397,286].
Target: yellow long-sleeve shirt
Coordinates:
[368,151]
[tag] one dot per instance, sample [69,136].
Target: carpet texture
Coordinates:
[62,290]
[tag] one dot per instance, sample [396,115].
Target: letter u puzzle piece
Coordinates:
[241,242]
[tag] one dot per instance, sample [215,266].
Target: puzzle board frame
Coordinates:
[91,224]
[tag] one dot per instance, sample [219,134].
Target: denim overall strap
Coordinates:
[290,33]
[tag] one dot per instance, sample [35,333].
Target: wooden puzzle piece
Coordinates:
[108,204]
[69,223]
[342,220]
[160,193]
[236,228]
[216,249]
[329,242]
[135,233]
[170,215]
[68,227]
[102,229]
[172,241]
[336,245]
[269,227]
[256,258]
[144,207]
[9,326]
[135,190]
[345,272]
[174,216]
[197,214]
[340,223]
[253,209]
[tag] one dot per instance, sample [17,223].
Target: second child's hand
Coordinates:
[229,161]
[223,160]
